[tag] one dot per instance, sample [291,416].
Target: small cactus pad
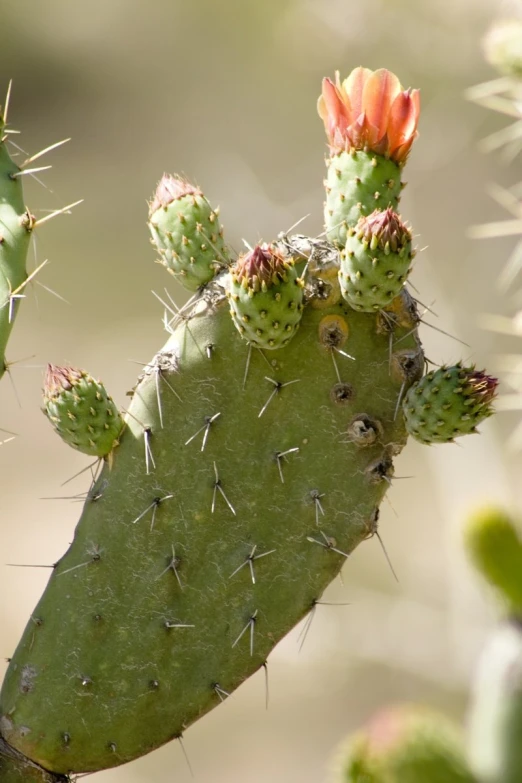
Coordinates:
[266,297]
[375,261]
[81,411]
[358,183]
[187,232]
[448,402]
[16,225]
[495,549]
[406,744]
[371,124]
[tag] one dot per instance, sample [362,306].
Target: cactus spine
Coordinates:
[231,501]
[16,224]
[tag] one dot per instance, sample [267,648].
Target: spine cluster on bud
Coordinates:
[81,411]
[266,297]
[187,232]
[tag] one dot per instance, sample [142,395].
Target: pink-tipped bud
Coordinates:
[170,188]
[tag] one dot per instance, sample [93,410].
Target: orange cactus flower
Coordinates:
[370,110]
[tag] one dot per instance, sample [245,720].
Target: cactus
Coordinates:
[266,297]
[81,411]
[495,719]
[371,123]
[241,482]
[405,744]
[186,232]
[448,402]
[16,225]
[375,261]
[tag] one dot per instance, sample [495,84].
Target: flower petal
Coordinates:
[353,86]
[380,91]
[332,109]
[404,118]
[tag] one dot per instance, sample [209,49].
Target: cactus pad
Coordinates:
[187,232]
[375,261]
[358,183]
[81,411]
[266,297]
[448,402]
[210,537]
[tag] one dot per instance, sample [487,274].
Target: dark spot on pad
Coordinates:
[342,393]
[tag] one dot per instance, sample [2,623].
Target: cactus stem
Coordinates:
[250,625]
[51,215]
[277,388]
[250,562]
[280,456]
[209,420]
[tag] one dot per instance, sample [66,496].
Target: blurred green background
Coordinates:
[225,93]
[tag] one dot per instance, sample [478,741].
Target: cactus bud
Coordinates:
[370,111]
[375,261]
[406,744]
[187,232]
[266,297]
[81,411]
[494,546]
[448,402]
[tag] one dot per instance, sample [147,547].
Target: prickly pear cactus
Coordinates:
[187,232]
[16,225]
[241,483]
[81,411]
[449,402]
[371,123]
[266,297]
[406,744]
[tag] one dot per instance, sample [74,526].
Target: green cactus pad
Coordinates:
[16,225]
[447,403]
[152,616]
[494,546]
[358,183]
[406,744]
[375,261]
[266,297]
[187,232]
[81,411]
